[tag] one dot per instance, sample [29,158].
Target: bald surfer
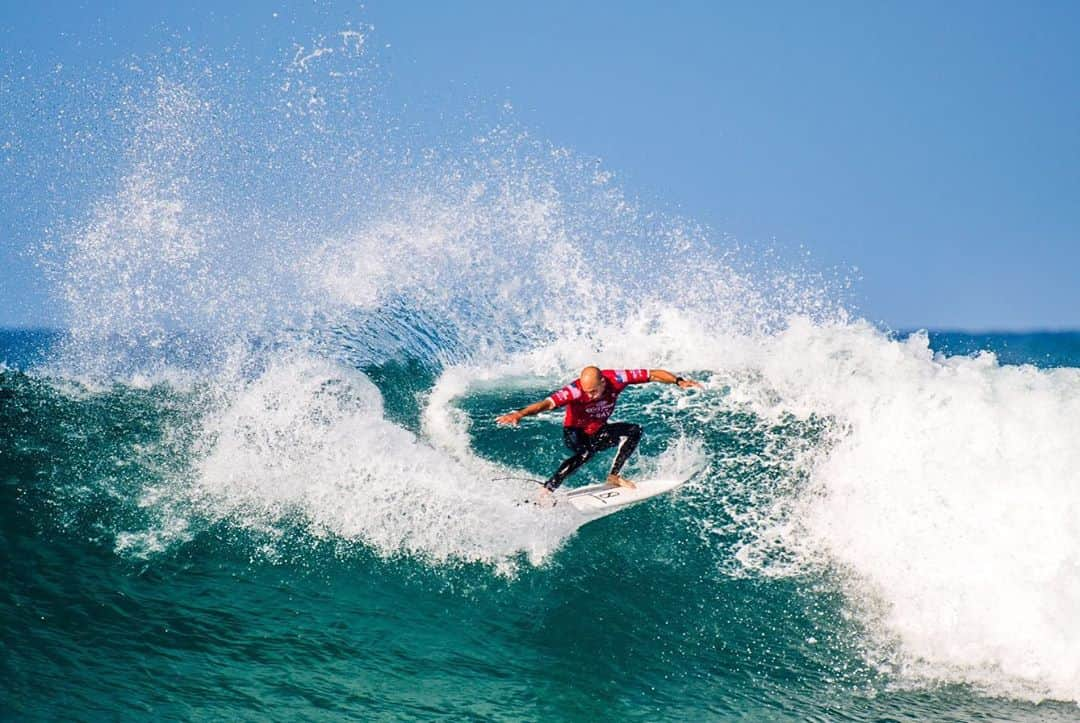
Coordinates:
[589,401]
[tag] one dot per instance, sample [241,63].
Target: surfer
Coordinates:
[589,401]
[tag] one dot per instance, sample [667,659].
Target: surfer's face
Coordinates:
[594,391]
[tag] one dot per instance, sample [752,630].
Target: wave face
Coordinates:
[265,440]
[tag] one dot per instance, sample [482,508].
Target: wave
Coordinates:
[286,269]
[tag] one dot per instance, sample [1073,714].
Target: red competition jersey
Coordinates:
[590,414]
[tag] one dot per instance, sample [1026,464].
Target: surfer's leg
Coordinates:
[628,435]
[583,451]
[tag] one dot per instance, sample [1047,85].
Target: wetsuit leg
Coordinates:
[624,434]
[583,450]
[584,446]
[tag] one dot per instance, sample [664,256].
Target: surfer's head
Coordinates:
[592,382]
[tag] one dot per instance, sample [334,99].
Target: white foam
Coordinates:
[951,492]
[309,438]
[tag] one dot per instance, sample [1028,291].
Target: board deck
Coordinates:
[604,498]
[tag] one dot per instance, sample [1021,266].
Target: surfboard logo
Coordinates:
[604,496]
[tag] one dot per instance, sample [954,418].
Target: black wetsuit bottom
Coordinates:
[585,446]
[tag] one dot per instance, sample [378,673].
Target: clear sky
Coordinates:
[934,146]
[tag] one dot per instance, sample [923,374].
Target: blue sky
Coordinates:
[934,146]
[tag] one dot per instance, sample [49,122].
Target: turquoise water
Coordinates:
[134,589]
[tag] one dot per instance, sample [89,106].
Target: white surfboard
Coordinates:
[603,498]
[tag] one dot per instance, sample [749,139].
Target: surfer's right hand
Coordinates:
[512,418]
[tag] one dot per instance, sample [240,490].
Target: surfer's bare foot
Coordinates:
[614,479]
[544,498]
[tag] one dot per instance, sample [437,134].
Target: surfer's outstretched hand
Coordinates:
[512,418]
[688,383]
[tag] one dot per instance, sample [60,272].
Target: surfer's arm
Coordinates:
[665,377]
[534,408]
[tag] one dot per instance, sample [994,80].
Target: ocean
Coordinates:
[331,541]
[255,474]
